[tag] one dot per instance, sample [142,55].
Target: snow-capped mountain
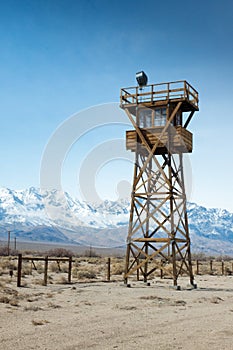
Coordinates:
[34,207]
[55,216]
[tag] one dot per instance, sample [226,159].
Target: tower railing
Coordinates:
[150,94]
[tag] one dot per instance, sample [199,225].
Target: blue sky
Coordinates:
[59,57]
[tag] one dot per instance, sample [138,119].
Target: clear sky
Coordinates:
[61,56]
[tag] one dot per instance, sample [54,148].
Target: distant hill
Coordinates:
[54,216]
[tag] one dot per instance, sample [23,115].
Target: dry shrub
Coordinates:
[39,282]
[91,253]
[92,265]
[64,268]
[9,296]
[53,267]
[40,267]
[117,268]
[4,299]
[86,274]
[7,280]
[59,267]
[82,272]
[90,260]
[32,308]
[62,280]
[39,322]
[74,272]
[26,269]
[76,263]
[203,269]
[224,258]
[8,264]
[4,251]
[2,284]
[50,295]
[228,271]
[60,252]
[14,302]
[199,256]
[54,306]
[167,270]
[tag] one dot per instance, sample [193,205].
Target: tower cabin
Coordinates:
[162,112]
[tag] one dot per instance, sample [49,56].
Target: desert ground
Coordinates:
[91,313]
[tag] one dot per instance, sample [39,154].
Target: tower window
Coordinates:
[145,118]
[160,116]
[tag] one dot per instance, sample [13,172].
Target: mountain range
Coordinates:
[54,216]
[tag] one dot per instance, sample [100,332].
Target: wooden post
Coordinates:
[222,267]
[108,269]
[70,269]
[138,277]
[45,270]
[211,266]
[197,267]
[31,268]
[19,270]
[15,244]
[8,244]
[161,270]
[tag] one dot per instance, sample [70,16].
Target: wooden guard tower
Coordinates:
[158,227]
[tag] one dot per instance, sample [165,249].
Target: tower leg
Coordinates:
[174,264]
[190,267]
[127,263]
[146,265]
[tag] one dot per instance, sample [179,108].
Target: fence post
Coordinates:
[161,269]
[138,277]
[45,270]
[70,269]
[197,267]
[222,267]
[19,270]
[211,266]
[108,269]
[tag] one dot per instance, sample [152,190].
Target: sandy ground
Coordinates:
[104,315]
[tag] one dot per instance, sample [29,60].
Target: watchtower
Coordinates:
[158,232]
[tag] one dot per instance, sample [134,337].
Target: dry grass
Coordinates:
[93,268]
[54,306]
[117,267]
[59,252]
[54,267]
[39,282]
[9,296]
[62,280]
[86,274]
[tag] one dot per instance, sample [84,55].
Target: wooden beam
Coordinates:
[188,119]
[159,240]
